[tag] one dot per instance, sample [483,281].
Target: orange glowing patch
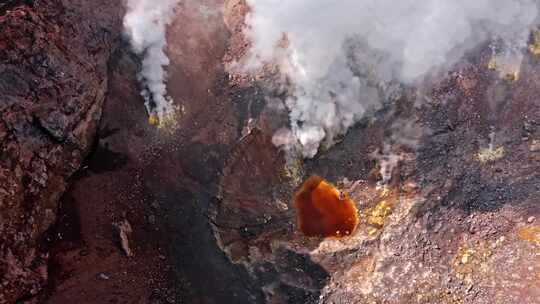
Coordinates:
[322,212]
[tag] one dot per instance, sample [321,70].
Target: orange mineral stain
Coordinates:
[322,211]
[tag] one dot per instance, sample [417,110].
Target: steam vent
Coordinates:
[323,211]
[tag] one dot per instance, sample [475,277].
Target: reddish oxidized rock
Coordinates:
[52,82]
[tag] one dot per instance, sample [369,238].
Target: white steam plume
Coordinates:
[145,24]
[343,56]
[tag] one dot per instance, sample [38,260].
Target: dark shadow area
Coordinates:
[196,254]
[107,131]
[293,277]
[9,4]
[202,162]
[63,235]
[471,193]
[248,104]
[103,160]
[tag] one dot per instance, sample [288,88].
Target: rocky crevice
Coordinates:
[53,82]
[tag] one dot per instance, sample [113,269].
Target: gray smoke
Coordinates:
[343,57]
[145,24]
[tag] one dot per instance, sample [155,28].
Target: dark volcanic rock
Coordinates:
[53,79]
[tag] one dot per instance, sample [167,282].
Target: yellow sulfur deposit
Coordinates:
[530,234]
[385,192]
[379,213]
[467,254]
[376,215]
[153,120]
[508,68]
[168,122]
[534,47]
[512,76]
[489,155]
[466,264]
[492,63]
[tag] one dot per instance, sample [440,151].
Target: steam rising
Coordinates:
[345,58]
[145,24]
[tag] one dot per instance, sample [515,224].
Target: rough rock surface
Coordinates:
[53,80]
[209,203]
[453,229]
[454,225]
[160,180]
